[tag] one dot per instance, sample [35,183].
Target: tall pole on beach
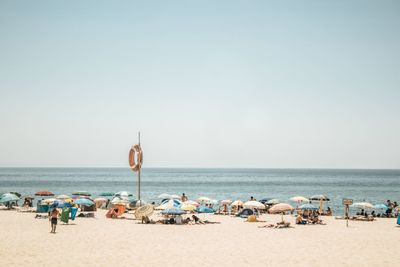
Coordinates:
[139,172]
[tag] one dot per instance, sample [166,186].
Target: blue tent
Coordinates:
[204,209]
[245,213]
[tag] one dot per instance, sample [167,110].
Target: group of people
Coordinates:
[178,220]
[392,210]
[308,217]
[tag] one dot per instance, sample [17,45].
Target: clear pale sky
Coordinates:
[269,84]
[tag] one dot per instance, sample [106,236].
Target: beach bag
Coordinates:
[65,215]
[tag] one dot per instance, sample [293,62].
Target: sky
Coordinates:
[218,84]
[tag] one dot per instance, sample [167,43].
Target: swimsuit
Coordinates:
[53,220]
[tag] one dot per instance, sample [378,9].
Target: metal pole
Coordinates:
[139,172]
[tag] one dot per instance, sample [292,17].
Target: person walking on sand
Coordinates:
[53,219]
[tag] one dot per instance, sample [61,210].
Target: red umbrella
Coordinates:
[44,193]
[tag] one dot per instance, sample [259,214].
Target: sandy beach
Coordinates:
[106,242]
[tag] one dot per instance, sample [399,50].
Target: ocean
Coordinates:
[375,186]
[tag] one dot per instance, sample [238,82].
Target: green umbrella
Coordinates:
[106,194]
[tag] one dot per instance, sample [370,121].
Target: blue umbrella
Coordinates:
[8,197]
[204,209]
[84,202]
[60,204]
[307,207]
[172,211]
[381,206]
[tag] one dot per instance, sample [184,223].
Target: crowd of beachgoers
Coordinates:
[174,209]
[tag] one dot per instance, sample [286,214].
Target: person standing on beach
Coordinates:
[53,219]
[184,197]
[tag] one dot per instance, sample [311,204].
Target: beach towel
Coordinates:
[65,215]
[398,220]
[74,211]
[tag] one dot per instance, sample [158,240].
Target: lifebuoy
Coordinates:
[135,165]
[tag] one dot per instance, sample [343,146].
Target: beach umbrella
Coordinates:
[321,199]
[175,197]
[84,202]
[226,202]
[63,197]
[145,210]
[106,194]
[172,211]
[254,204]
[164,196]
[60,204]
[264,200]
[48,201]
[16,193]
[307,207]
[299,199]
[204,209]
[188,207]
[203,200]
[44,193]
[214,201]
[124,194]
[119,201]
[7,197]
[380,206]
[272,201]
[172,203]
[237,203]
[137,203]
[100,199]
[362,205]
[281,208]
[191,202]
[81,193]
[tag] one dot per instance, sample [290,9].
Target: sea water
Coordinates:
[375,186]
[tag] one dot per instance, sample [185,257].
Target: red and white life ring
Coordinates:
[136,150]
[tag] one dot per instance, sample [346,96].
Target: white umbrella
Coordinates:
[164,196]
[363,205]
[191,202]
[204,200]
[237,203]
[175,197]
[226,202]
[273,201]
[48,201]
[123,194]
[254,204]
[172,203]
[119,201]
[299,199]
[281,208]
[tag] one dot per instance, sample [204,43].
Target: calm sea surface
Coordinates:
[375,186]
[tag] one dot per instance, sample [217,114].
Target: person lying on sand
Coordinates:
[197,220]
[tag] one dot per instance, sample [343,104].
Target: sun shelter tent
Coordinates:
[245,213]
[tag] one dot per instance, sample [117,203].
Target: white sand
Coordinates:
[26,241]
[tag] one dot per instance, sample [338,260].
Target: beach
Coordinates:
[98,241]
